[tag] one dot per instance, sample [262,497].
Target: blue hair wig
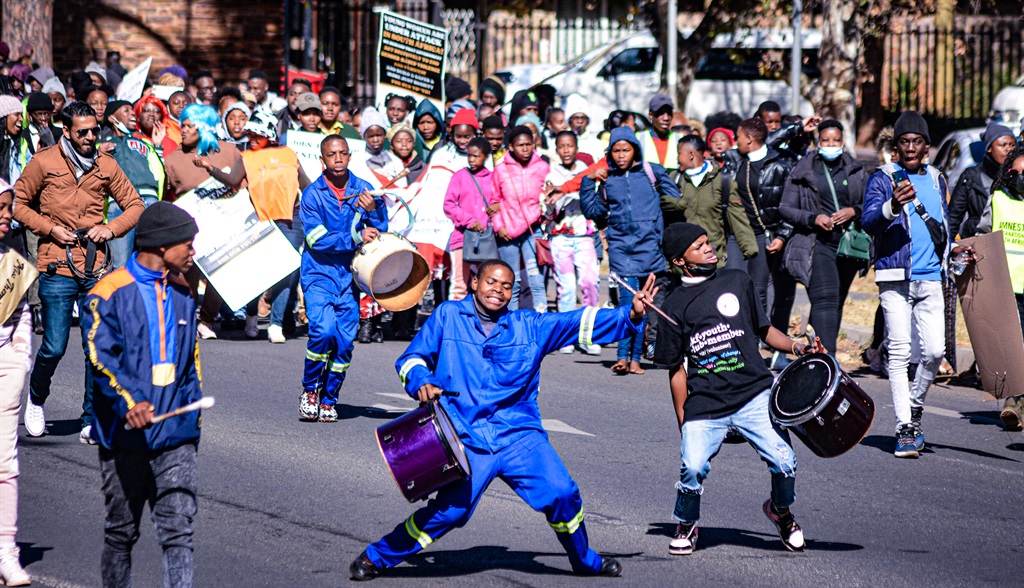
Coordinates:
[205,119]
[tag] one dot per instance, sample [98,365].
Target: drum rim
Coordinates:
[815,409]
[438,411]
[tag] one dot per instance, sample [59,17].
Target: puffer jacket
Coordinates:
[772,184]
[970,196]
[631,204]
[517,188]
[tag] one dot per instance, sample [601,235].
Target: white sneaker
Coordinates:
[205,332]
[85,437]
[275,334]
[35,419]
[11,571]
[567,350]
[252,327]
[593,349]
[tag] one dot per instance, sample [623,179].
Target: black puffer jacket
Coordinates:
[971,194]
[772,183]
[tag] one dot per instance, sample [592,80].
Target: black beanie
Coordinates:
[38,101]
[994,132]
[112,107]
[677,239]
[457,88]
[164,224]
[911,122]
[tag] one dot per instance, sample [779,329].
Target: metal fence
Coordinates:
[952,75]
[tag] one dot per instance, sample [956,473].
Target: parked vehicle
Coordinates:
[1008,106]
[958,151]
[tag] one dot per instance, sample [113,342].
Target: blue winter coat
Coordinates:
[328,225]
[892,232]
[124,341]
[631,203]
[498,376]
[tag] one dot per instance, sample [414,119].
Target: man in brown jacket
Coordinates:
[62,190]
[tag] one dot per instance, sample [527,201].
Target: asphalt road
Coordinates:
[284,503]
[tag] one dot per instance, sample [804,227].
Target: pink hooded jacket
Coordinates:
[464,204]
[518,190]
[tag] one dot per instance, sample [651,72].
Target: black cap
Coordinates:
[112,107]
[38,101]
[457,88]
[677,239]
[910,122]
[164,224]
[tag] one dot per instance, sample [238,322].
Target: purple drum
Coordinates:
[423,451]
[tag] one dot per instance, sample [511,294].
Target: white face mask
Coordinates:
[830,153]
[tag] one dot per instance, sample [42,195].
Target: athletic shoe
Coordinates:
[362,569]
[593,349]
[363,336]
[610,568]
[275,334]
[789,531]
[11,571]
[906,442]
[915,421]
[205,332]
[684,541]
[252,327]
[308,410]
[377,335]
[85,437]
[35,419]
[328,414]
[567,350]
[649,350]
[1010,415]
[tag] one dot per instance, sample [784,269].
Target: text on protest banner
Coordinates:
[411,59]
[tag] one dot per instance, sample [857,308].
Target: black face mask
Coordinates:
[1018,185]
[702,270]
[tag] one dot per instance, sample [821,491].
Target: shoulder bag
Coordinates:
[479,246]
[855,243]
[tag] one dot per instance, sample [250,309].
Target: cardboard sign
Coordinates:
[990,311]
[239,254]
[410,59]
[307,147]
[134,82]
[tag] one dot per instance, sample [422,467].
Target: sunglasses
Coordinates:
[82,133]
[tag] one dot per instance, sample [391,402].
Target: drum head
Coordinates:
[803,385]
[451,437]
[391,273]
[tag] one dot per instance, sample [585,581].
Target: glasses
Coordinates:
[82,133]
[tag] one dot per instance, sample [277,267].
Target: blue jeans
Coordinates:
[57,296]
[122,247]
[701,440]
[284,294]
[631,348]
[522,252]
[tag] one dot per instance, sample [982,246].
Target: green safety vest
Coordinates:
[651,151]
[1008,217]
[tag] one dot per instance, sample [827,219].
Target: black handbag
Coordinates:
[479,246]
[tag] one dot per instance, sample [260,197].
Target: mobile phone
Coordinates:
[899,176]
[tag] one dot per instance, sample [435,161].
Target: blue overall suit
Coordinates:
[498,419]
[331,303]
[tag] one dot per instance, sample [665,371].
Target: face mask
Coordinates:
[702,270]
[1017,185]
[121,127]
[830,153]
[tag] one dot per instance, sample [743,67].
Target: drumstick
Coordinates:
[450,393]
[809,333]
[201,404]
[615,277]
[401,174]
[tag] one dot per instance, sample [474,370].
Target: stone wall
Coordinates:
[227,37]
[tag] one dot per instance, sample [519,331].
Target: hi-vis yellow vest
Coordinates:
[1008,217]
[651,151]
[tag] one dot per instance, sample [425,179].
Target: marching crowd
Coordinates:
[540,186]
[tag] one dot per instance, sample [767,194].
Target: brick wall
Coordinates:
[227,37]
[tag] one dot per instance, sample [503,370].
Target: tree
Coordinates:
[29,21]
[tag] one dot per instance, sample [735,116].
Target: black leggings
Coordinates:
[831,277]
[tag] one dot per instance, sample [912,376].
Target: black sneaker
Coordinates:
[790,532]
[377,335]
[362,569]
[684,541]
[363,336]
[906,442]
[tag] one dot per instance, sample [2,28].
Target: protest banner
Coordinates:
[239,254]
[307,147]
[410,59]
[986,297]
[134,82]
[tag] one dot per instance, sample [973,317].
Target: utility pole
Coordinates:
[796,57]
[672,53]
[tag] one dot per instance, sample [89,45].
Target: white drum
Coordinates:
[391,271]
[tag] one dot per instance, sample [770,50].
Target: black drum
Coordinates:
[819,402]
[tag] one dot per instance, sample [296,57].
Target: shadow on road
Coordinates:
[439,564]
[887,444]
[64,428]
[30,554]
[346,411]
[1015,446]
[715,536]
[984,417]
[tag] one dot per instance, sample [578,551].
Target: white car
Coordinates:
[958,151]
[1008,106]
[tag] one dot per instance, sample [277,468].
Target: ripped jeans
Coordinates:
[701,440]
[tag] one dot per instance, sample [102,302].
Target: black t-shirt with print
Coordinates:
[719,321]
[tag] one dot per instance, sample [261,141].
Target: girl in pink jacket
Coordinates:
[465,203]
[518,180]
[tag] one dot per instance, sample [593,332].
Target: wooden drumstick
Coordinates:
[201,404]
[615,277]
[400,175]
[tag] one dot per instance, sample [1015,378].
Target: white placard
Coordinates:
[307,147]
[134,82]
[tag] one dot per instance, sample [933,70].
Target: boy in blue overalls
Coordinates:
[492,357]
[331,303]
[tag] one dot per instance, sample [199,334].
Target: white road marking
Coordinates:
[390,408]
[560,427]
[396,396]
